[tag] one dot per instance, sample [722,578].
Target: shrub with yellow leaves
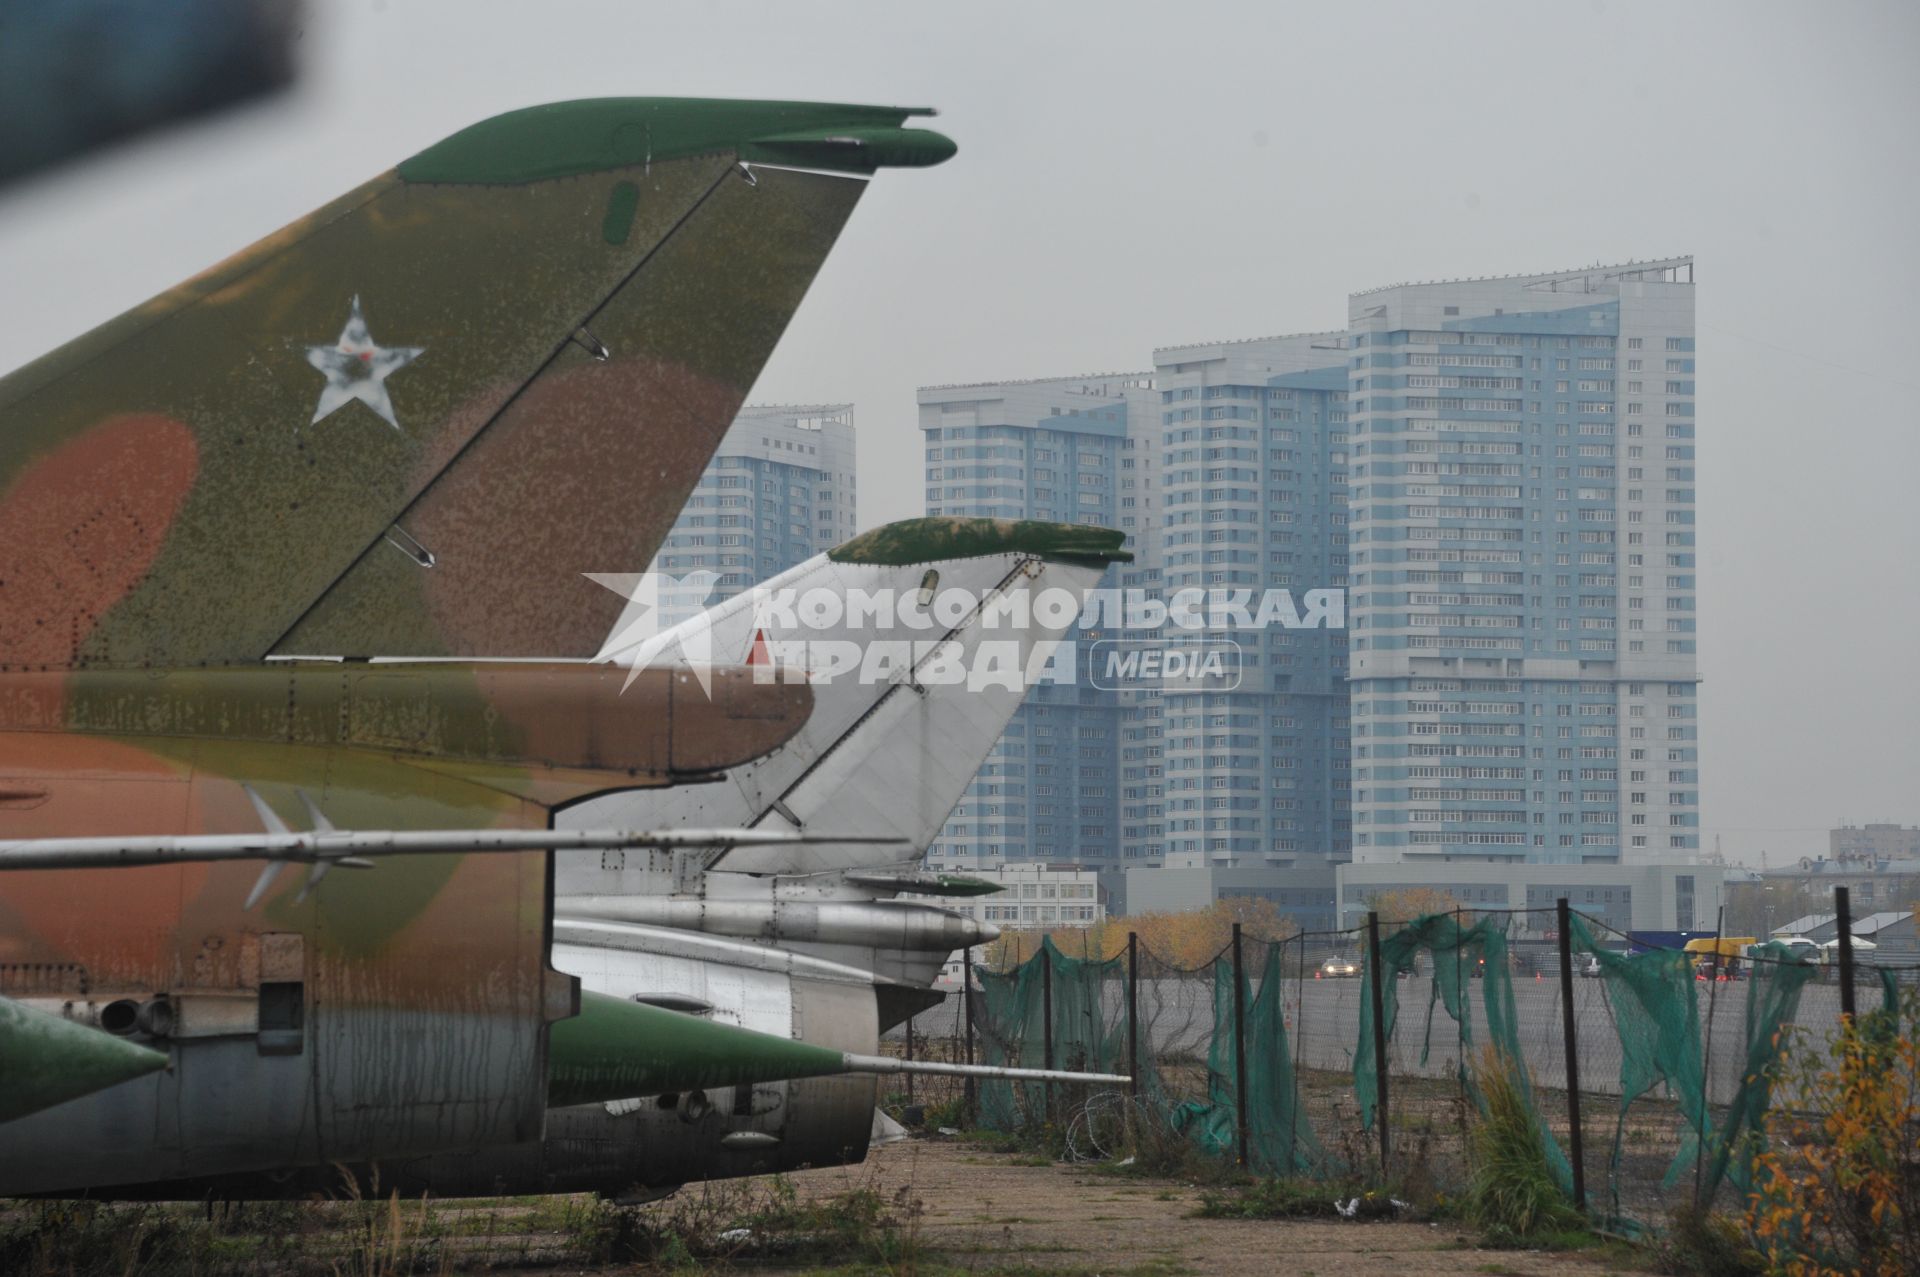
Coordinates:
[1838,1189]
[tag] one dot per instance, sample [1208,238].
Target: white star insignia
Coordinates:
[357,367]
[657,604]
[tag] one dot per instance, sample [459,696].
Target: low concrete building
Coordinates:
[1302,890]
[1035,896]
[1630,897]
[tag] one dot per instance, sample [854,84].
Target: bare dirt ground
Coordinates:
[916,1208]
[984,1211]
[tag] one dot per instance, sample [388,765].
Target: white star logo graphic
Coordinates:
[648,634]
[357,367]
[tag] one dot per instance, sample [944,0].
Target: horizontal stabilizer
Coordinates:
[45,1060]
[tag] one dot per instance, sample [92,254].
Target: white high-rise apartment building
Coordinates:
[1522,603]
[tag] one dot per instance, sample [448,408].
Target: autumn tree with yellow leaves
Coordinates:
[1407,903]
[1837,1190]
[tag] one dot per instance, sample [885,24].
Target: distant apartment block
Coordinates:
[1061,449]
[1253,454]
[1502,474]
[779,490]
[1522,613]
[1874,842]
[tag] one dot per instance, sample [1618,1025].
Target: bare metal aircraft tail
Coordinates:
[919,640]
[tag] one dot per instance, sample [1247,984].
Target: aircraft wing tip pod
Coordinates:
[568,139]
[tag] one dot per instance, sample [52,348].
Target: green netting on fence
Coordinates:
[1642,1035]
[1460,953]
[1088,1028]
[1090,1001]
[1279,1139]
[1656,1017]
[1773,997]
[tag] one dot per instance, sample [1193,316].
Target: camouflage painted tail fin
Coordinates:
[354,437]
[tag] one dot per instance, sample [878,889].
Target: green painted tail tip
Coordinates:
[617,1050]
[937,538]
[49,1060]
[567,139]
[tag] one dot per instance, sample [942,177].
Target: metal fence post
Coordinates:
[1565,927]
[1706,1056]
[1133,1016]
[909,1058]
[1843,918]
[1379,1031]
[1046,1018]
[1240,1044]
[969,1099]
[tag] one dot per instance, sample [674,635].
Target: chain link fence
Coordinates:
[1648,1069]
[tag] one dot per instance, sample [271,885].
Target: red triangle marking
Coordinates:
[758,654]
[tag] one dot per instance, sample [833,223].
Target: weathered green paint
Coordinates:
[568,139]
[616,1050]
[45,1060]
[199,513]
[622,202]
[933,539]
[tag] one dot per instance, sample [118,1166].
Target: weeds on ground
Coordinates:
[1512,1194]
[384,1237]
[1292,1199]
[950,1113]
[1699,1243]
[360,1237]
[86,1238]
[767,1220]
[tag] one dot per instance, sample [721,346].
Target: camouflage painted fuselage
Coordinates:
[405,426]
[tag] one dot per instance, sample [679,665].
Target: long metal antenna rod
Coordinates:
[888,1064]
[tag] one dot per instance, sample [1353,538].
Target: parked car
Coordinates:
[1799,949]
[1336,967]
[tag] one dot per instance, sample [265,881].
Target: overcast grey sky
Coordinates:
[1135,175]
